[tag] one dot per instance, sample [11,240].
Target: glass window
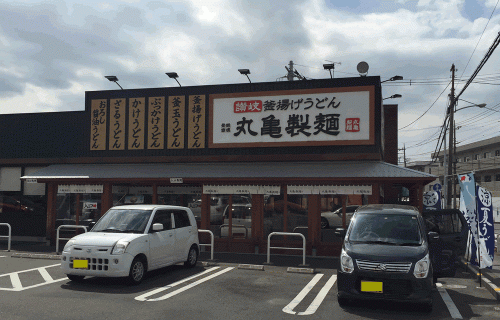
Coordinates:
[444,223]
[497,153]
[181,219]
[273,214]
[487,178]
[476,157]
[497,177]
[123,195]
[164,217]
[123,220]
[393,228]
[297,214]
[238,221]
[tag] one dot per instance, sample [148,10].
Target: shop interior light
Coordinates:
[245,72]
[174,76]
[113,79]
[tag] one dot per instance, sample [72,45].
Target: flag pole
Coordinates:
[478,254]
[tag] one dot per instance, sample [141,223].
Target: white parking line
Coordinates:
[16,282]
[317,301]
[452,308]
[169,295]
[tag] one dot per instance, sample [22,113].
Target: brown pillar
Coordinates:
[417,196]
[205,211]
[155,194]
[106,198]
[314,220]
[257,216]
[375,197]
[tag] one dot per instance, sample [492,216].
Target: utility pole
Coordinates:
[404,154]
[451,156]
[290,71]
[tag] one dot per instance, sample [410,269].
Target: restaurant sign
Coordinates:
[335,116]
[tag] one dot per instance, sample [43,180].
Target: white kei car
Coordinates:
[130,240]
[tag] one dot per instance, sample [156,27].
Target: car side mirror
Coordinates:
[157,226]
[340,232]
[433,236]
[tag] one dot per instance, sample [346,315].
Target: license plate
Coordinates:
[371,286]
[80,264]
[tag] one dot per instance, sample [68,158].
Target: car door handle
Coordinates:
[458,239]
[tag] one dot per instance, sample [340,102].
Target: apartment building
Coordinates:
[482,157]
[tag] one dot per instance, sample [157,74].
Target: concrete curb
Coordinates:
[300,270]
[36,256]
[251,267]
[486,279]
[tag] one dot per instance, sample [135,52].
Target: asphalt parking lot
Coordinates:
[229,289]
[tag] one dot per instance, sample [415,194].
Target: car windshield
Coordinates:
[123,220]
[391,229]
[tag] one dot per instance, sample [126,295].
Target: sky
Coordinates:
[51,52]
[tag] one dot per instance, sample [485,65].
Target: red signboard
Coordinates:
[247,106]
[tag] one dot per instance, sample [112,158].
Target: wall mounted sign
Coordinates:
[293,189]
[242,189]
[340,116]
[179,190]
[78,188]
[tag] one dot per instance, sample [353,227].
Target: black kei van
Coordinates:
[385,256]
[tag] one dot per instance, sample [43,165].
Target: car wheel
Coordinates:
[324,223]
[192,257]
[137,271]
[75,278]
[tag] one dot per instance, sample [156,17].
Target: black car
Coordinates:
[385,256]
[452,228]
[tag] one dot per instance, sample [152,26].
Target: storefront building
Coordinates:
[248,159]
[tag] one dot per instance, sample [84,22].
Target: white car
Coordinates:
[217,207]
[333,219]
[130,240]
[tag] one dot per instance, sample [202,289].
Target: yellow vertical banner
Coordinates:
[196,122]
[136,117]
[117,124]
[156,123]
[176,122]
[98,115]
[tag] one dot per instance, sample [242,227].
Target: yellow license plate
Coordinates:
[371,286]
[80,264]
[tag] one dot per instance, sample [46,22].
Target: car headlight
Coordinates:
[346,264]
[120,247]
[68,245]
[422,267]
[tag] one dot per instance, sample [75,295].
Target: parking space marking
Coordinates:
[169,295]
[16,282]
[452,308]
[317,300]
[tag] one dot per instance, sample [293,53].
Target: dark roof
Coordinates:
[331,169]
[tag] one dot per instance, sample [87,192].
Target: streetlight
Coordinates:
[395,78]
[329,67]
[451,150]
[245,72]
[174,76]
[113,79]
[394,96]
